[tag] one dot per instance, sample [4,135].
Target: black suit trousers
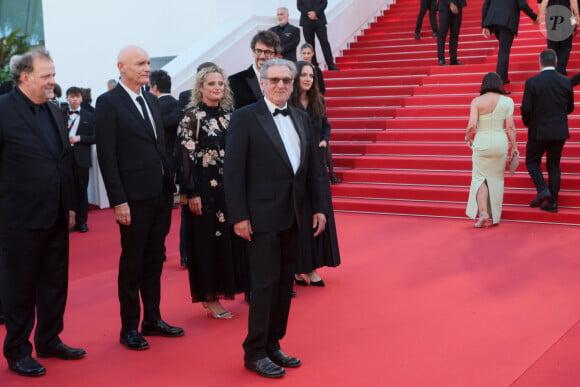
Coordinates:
[534,151]
[33,279]
[449,23]
[81,179]
[431,6]
[563,49]
[505,38]
[142,256]
[271,261]
[318,29]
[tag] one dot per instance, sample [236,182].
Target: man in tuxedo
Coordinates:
[246,83]
[131,150]
[81,134]
[450,15]
[502,18]
[313,22]
[548,99]
[270,164]
[431,6]
[36,210]
[288,34]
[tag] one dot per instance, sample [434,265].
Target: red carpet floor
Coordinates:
[416,302]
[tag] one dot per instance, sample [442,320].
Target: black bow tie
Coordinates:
[284,112]
[73,112]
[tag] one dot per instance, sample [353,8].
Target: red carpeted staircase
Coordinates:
[398,120]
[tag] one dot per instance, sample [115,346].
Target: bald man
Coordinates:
[131,151]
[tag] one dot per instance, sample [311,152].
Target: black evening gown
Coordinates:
[214,264]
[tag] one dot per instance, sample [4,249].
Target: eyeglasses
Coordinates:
[275,81]
[259,52]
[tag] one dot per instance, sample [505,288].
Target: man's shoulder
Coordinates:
[249,72]
[293,27]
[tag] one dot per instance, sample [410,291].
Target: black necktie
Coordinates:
[145,114]
[71,112]
[284,112]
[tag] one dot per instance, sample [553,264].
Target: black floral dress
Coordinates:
[212,262]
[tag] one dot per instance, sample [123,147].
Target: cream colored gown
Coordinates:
[490,148]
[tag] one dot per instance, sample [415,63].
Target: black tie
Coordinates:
[73,112]
[145,114]
[284,112]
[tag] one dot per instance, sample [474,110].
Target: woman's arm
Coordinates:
[511,133]
[472,124]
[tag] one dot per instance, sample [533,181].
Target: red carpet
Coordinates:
[417,302]
[399,119]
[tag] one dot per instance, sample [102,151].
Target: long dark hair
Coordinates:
[492,82]
[315,100]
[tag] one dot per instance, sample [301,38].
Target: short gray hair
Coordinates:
[24,63]
[278,62]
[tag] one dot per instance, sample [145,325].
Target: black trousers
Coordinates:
[318,29]
[185,231]
[271,261]
[141,263]
[563,50]
[33,280]
[449,23]
[81,181]
[505,38]
[431,6]
[534,151]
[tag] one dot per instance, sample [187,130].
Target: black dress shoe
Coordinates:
[27,366]
[61,351]
[332,66]
[133,340]
[456,63]
[317,283]
[541,198]
[159,328]
[550,207]
[284,360]
[300,281]
[83,228]
[417,36]
[442,62]
[265,367]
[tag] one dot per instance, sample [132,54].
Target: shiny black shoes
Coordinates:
[133,340]
[283,360]
[265,367]
[160,328]
[61,351]
[27,366]
[541,198]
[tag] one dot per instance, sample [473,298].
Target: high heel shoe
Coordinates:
[226,314]
[317,283]
[483,221]
[300,281]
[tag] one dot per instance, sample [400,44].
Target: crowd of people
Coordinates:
[248,155]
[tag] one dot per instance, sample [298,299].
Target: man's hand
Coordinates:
[195,205]
[243,229]
[312,15]
[71,219]
[454,9]
[322,144]
[486,33]
[319,223]
[74,139]
[123,214]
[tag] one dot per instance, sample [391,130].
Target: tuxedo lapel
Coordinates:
[267,122]
[254,84]
[24,110]
[130,105]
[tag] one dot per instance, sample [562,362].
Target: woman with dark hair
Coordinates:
[490,134]
[202,133]
[322,250]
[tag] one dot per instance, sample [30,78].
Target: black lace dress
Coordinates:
[214,267]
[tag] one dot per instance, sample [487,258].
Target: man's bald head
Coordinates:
[133,64]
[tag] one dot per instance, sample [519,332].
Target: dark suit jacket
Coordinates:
[86,130]
[184,98]
[443,5]
[548,99]
[246,87]
[318,6]
[171,114]
[289,39]
[259,182]
[35,183]
[505,13]
[132,160]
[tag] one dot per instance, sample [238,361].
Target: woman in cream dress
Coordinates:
[490,134]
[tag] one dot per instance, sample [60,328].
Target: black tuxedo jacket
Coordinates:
[246,87]
[86,130]
[184,99]
[260,184]
[171,114]
[318,6]
[131,158]
[289,40]
[35,183]
[548,99]
[443,5]
[505,13]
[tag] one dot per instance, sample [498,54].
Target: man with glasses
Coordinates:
[246,84]
[270,165]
